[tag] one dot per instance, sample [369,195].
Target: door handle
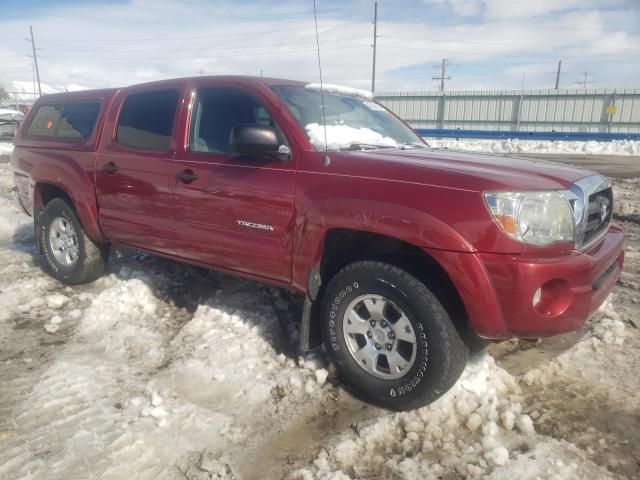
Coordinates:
[110,167]
[186,176]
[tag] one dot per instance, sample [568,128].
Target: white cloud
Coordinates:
[517,9]
[510,9]
[463,8]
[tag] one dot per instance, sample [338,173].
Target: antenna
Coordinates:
[375,37]
[324,120]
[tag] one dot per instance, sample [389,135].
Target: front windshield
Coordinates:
[353,123]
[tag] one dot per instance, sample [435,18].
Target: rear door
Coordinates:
[231,211]
[134,170]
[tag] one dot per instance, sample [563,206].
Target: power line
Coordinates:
[164,37]
[160,56]
[495,26]
[494,53]
[507,44]
[200,48]
[443,70]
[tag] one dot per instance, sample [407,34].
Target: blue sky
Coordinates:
[490,43]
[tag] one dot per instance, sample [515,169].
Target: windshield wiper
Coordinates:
[364,146]
[404,146]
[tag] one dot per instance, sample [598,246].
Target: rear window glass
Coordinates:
[71,120]
[45,121]
[78,120]
[146,120]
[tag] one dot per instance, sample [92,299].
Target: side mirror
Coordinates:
[255,139]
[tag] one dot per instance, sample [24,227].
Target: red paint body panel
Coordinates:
[428,198]
[517,277]
[136,204]
[229,190]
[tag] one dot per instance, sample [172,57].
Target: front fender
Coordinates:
[404,223]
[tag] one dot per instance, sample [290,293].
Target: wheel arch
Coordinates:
[342,246]
[46,190]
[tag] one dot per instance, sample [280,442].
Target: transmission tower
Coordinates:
[443,73]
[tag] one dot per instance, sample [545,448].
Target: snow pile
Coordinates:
[472,429]
[607,329]
[340,90]
[610,327]
[625,192]
[6,148]
[138,371]
[343,136]
[541,461]
[614,147]
[124,321]
[491,425]
[15,226]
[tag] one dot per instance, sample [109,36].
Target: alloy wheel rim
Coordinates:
[63,241]
[379,336]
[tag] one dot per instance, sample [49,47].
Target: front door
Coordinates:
[134,172]
[232,212]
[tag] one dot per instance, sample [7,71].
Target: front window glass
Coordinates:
[352,122]
[216,111]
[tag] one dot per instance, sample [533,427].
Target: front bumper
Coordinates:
[498,290]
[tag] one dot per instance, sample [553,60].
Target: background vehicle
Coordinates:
[405,255]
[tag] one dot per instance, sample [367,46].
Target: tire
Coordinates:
[60,231]
[411,375]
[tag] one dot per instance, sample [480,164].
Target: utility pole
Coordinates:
[558,74]
[35,59]
[443,71]
[375,38]
[33,75]
[585,81]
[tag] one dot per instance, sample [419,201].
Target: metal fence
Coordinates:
[575,110]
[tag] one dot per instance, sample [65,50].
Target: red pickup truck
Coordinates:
[406,255]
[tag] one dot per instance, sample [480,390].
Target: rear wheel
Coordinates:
[70,255]
[390,338]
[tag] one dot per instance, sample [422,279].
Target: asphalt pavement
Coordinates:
[610,165]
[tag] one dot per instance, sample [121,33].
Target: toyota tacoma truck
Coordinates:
[406,255]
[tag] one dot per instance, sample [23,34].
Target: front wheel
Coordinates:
[70,255]
[389,336]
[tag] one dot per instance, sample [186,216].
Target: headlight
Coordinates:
[535,218]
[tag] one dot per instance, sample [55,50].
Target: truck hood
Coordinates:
[469,171]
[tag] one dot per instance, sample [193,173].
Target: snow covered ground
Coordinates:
[164,371]
[6,148]
[615,147]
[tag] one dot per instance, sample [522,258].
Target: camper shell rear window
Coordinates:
[73,120]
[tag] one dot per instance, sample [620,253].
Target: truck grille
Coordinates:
[591,199]
[598,214]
